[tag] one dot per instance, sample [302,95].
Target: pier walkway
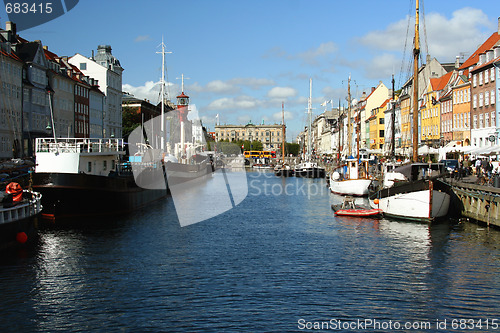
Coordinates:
[479,202]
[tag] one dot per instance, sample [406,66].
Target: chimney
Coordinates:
[11,26]
[373,89]
[496,51]
[45,47]
[427,59]
[482,59]
[498,26]
[457,62]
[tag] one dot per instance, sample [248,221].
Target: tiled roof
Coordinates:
[488,44]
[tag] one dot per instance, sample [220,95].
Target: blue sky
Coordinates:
[244,58]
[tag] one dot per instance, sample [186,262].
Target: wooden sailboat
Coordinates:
[309,168]
[352,180]
[283,169]
[423,197]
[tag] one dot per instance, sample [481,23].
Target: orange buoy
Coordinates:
[21,237]
[375,201]
[16,190]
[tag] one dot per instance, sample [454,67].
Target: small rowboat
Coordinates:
[349,208]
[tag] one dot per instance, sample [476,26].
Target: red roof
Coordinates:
[440,83]
[182,95]
[487,45]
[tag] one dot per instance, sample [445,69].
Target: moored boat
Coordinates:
[88,177]
[349,208]
[18,210]
[422,198]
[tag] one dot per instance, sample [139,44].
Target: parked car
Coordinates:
[451,166]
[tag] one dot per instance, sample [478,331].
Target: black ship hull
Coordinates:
[71,195]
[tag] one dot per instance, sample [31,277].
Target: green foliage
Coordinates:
[130,120]
[292,148]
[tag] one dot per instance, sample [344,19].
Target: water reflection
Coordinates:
[261,266]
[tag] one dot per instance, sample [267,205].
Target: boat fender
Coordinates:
[16,190]
[336,176]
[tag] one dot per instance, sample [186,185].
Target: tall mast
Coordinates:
[416,53]
[393,121]
[349,124]
[283,131]
[163,52]
[309,111]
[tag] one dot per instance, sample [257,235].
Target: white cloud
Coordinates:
[149,91]
[277,117]
[382,66]
[311,56]
[142,38]
[254,83]
[446,38]
[236,104]
[282,92]
[219,86]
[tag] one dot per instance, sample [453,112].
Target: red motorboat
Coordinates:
[349,208]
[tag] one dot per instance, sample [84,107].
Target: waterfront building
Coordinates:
[11,69]
[430,110]
[484,88]
[377,96]
[392,106]
[269,135]
[105,68]
[37,119]
[376,124]
[461,110]
[431,69]
[97,103]
[62,85]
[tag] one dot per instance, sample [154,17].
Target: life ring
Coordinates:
[16,190]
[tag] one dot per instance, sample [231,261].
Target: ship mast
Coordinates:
[283,131]
[416,53]
[162,83]
[309,112]
[349,124]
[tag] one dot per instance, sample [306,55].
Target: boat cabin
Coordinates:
[78,155]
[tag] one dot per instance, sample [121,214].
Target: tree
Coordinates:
[292,148]
[130,120]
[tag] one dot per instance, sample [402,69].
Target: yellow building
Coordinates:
[461,110]
[269,135]
[377,126]
[430,110]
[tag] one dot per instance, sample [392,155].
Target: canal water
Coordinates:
[280,261]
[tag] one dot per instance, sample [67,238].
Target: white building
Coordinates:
[106,69]
[11,68]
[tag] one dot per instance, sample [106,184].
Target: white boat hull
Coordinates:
[357,187]
[415,205]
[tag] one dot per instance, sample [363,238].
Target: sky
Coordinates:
[243,59]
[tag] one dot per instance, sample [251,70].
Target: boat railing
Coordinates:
[28,208]
[79,145]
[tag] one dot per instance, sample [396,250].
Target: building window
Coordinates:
[486,120]
[481,100]
[481,118]
[486,78]
[492,97]
[475,122]
[480,78]
[492,74]
[493,124]
[474,80]
[486,98]
[474,101]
